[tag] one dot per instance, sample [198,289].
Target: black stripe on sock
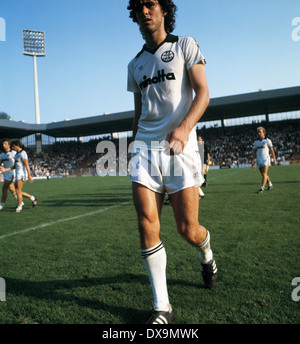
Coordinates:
[154,250]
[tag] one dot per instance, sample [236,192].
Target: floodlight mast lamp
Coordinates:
[34,45]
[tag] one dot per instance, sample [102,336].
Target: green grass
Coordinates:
[75,258]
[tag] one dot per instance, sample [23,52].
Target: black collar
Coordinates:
[169,39]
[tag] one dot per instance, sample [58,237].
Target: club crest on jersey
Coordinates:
[167,56]
[161,77]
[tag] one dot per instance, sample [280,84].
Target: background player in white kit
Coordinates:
[162,77]
[8,159]
[22,173]
[261,156]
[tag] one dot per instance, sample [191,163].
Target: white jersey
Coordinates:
[262,152]
[8,160]
[21,172]
[262,148]
[162,79]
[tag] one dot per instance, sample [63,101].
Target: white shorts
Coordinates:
[21,176]
[266,161]
[161,172]
[9,175]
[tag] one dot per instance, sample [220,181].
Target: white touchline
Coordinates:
[61,220]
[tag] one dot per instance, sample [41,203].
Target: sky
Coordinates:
[249,45]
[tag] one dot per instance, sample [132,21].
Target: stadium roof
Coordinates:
[249,104]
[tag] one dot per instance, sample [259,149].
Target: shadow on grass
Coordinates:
[64,291]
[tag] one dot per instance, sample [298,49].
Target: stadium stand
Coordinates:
[233,145]
[228,145]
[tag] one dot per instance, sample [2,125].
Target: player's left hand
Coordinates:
[30,179]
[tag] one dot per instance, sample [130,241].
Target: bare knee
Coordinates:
[193,233]
[149,231]
[145,224]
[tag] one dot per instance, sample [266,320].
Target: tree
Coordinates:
[4,115]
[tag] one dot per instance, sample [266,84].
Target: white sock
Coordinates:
[32,198]
[15,196]
[205,252]
[155,260]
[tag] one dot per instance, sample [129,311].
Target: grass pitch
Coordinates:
[75,258]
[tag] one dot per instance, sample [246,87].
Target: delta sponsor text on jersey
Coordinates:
[161,77]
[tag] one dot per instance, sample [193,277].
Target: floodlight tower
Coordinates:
[34,45]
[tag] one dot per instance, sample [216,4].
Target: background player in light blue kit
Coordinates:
[7,157]
[261,156]
[22,173]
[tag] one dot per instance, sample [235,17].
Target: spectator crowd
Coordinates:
[227,146]
[234,145]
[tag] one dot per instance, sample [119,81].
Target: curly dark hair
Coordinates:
[17,143]
[167,6]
